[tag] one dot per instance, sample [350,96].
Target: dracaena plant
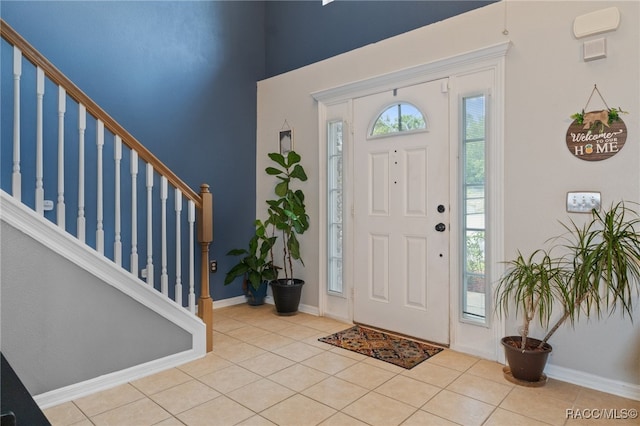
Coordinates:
[287,212]
[598,272]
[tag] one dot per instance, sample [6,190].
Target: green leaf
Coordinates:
[278,158]
[282,188]
[236,252]
[292,158]
[273,171]
[299,173]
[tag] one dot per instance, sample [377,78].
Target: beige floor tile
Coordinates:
[298,411]
[453,360]
[422,418]
[589,398]
[266,364]
[433,374]
[172,421]
[256,421]
[237,352]
[220,411]
[313,341]
[140,413]
[298,377]
[489,370]
[260,395]
[229,379]
[458,408]
[365,375]
[64,414]
[384,365]
[297,332]
[335,392]
[161,381]
[480,388]
[271,341]
[226,325]
[376,409]
[329,362]
[273,324]
[407,390]
[530,403]
[109,399]
[341,419]
[298,351]
[345,352]
[502,417]
[184,397]
[247,333]
[208,364]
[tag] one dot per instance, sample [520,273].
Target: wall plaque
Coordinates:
[596,140]
[596,135]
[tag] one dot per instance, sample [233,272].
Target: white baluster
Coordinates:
[62,109]
[150,224]
[178,288]
[99,189]
[16,178]
[164,278]
[192,293]
[82,126]
[39,142]
[117,244]
[134,213]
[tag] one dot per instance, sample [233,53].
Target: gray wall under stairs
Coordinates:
[60,325]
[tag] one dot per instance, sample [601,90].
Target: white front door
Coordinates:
[401,216]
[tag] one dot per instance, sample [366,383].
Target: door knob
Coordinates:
[441,208]
[441,227]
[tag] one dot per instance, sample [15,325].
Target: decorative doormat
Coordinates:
[385,347]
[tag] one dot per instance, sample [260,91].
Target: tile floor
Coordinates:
[271,370]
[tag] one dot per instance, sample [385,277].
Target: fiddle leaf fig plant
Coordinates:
[287,212]
[598,272]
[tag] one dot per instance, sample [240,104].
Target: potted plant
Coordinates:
[288,218]
[598,271]
[255,268]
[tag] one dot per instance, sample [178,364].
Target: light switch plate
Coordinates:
[583,202]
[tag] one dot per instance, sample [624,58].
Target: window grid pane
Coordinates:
[474,200]
[335,207]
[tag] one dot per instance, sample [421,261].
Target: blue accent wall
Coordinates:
[181,77]
[299,33]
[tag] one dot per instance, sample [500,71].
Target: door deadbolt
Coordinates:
[441,227]
[441,208]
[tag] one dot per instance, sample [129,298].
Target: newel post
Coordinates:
[205,237]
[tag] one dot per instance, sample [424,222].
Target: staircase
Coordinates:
[99,265]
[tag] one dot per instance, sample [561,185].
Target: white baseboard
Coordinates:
[591,381]
[88,387]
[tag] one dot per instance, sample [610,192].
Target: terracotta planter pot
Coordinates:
[528,364]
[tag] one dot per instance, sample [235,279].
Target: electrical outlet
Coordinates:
[213,266]
[143,273]
[583,202]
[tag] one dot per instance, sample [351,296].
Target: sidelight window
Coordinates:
[473,149]
[334,206]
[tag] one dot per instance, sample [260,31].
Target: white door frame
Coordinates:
[487,58]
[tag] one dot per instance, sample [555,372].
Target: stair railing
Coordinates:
[199,206]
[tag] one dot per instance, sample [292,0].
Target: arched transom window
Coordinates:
[397,118]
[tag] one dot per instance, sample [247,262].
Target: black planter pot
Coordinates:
[255,297]
[528,364]
[286,295]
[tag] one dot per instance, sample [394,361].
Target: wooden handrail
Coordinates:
[55,75]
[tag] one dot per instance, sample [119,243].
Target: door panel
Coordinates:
[401,263]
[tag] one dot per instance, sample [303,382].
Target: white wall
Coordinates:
[546,82]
